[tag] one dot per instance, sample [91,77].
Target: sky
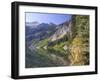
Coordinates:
[47,17]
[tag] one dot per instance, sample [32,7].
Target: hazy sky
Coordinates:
[46,17]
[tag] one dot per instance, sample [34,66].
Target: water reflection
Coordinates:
[46,58]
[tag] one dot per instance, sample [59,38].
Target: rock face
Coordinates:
[54,34]
[64,29]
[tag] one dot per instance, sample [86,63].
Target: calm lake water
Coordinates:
[46,58]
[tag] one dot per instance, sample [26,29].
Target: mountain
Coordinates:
[38,31]
[32,24]
[61,35]
[64,29]
[69,40]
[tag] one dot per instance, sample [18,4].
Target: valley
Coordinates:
[51,45]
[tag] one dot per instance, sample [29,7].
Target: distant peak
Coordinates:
[32,24]
[35,22]
[52,23]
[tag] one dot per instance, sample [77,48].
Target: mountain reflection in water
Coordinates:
[46,58]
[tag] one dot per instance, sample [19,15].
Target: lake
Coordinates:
[46,58]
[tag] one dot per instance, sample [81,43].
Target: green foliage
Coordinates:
[79,53]
[43,43]
[82,25]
